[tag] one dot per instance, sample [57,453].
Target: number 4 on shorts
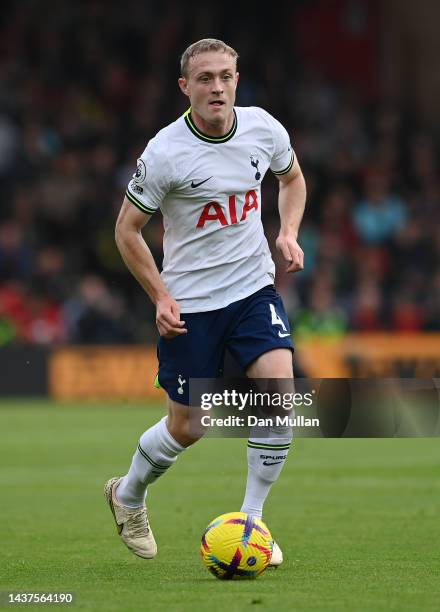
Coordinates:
[276,319]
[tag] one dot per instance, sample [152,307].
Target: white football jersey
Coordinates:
[209,191]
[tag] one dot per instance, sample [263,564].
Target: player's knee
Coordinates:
[183,429]
[282,435]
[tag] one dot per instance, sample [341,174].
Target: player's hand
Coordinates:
[168,318]
[291,252]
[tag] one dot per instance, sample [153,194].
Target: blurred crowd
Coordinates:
[84,86]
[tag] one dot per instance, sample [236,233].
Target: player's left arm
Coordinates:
[291,204]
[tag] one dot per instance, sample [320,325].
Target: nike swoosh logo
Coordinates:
[283,335]
[274,463]
[118,526]
[193,184]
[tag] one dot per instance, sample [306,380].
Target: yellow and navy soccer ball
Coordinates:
[236,546]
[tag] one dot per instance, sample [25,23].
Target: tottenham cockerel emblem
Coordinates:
[254,162]
[181,382]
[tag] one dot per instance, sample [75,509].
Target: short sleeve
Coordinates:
[151,181]
[283,154]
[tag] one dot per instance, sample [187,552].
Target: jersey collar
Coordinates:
[212,139]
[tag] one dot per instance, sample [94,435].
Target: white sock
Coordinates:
[266,458]
[156,452]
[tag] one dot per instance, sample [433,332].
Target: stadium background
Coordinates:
[83,86]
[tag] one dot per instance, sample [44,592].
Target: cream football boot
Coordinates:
[277,556]
[131,523]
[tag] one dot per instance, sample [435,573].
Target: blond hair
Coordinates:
[203,46]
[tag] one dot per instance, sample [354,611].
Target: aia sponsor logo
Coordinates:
[214,211]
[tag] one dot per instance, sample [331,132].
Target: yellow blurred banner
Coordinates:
[77,373]
[371,355]
[128,372]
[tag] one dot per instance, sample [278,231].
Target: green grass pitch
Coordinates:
[358,520]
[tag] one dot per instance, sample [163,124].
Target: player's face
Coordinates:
[211,85]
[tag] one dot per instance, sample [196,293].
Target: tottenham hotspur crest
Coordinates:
[181,382]
[254,162]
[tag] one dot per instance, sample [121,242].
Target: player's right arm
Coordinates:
[140,262]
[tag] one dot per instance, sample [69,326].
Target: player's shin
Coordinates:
[156,452]
[266,457]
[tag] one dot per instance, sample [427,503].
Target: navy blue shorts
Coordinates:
[247,328]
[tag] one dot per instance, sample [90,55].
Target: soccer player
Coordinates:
[216,289]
